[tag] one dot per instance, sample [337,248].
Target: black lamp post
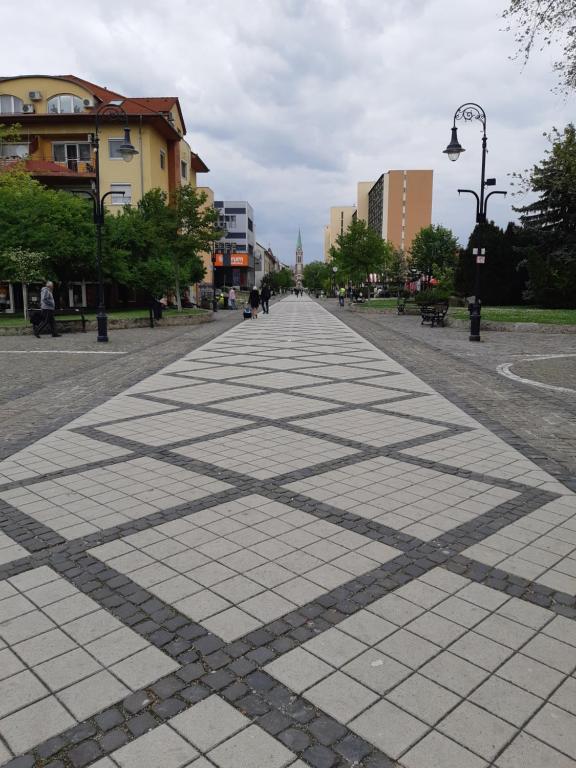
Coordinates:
[213,259]
[127,152]
[469,112]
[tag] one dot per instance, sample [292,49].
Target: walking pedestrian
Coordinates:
[47,307]
[232,298]
[254,301]
[341,296]
[265,298]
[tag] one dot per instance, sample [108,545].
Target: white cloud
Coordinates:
[290,102]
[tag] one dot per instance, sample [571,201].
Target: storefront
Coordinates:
[6,297]
[235,269]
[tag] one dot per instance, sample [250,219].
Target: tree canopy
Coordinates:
[316,276]
[434,252]
[360,252]
[544,23]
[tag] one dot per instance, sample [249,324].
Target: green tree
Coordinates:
[18,265]
[548,242]
[49,221]
[285,279]
[434,253]
[160,242]
[315,276]
[360,252]
[544,23]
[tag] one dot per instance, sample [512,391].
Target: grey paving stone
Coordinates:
[421,593]
[376,671]
[209,723]
[565,696]
[46,646]
[528,752]
[555,727]
[341,697]
[298,669]
[19,690]
[162,746]
[251,748]
[91,695]
[335,647]
[408,648]
[506,701]
[395,609]
[552,652]
[26,626]
[437,751]
[454,673]
[367,627]
[481,651]
[530,675]
[9,663]
[115,646]
[477,730]
[35,723]
[390,729]
[69,668]
[423,699]
[143,667]
[436,629]
[504,631]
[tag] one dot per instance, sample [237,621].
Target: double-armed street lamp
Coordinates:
[468,112]
[126,151]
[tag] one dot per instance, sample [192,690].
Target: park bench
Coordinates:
[35,314]
[407,307]
[434,313]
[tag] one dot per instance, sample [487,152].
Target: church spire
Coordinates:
[299,243]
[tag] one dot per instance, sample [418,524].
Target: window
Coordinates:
[10,105]
[250,224]
[184,169]
[162,159]
[235,210]
[114,147]
[64,104]
[10,149]
[119,198]
[71,153]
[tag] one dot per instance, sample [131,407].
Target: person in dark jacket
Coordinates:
[265,298]
[254,301]
[47,307]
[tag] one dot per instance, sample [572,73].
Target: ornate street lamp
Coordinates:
[127,151]
[334,270]
[469,112]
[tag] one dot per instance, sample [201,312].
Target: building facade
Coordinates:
[235,249]
[396,206]
[340,218]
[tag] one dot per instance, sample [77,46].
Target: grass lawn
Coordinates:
[379,304]
[520,315]
[14,321]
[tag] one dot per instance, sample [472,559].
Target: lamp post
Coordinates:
[468,112]
[334,270]
[213,259]
[127,152]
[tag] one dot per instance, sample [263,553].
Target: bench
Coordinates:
[35,314]
[407,307]
[434,313]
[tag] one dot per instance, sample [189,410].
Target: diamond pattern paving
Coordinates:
[65,658]
[266,452]
[82,503]
[238,566]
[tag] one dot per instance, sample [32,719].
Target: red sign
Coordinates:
[236,260]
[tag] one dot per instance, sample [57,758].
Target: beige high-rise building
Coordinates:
[397,206]
[340,218]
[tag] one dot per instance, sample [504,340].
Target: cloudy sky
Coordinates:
[290,102]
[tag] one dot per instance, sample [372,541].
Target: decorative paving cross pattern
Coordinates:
[284,549]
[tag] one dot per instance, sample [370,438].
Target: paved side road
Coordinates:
[284,549]
[540,422]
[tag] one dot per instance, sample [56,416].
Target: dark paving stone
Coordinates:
[84,754]
[51,747]
[80,733]
[141,724]
[353,748]
[109,719]
[113,740]
[168,708]
[167,686]
[194,693]
[294,739]
[320,757]
[25,761]
[274,722]
[326,730]
[136,702]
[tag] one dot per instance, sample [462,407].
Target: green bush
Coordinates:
[434,295]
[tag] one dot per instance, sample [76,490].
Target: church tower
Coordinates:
[299,262]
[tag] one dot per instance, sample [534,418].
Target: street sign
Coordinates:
[476,251]
[480,259]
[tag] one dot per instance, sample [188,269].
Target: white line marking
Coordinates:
[504,370]
[55,352]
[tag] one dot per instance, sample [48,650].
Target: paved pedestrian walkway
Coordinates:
[284,549]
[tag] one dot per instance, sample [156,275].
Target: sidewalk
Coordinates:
[284,549]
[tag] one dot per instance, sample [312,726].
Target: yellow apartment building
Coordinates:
[340,218]
[56,118]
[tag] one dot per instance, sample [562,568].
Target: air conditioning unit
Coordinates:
[35,96]
[28,109]
[88,103]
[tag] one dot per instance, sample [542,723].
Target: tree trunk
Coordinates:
[177,286]
[25,300]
